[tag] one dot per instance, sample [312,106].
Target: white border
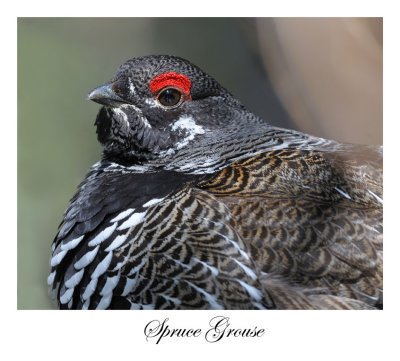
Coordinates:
[53,335]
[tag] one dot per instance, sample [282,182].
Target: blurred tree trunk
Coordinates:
[327,73]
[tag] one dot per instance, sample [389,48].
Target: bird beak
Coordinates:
[105,95]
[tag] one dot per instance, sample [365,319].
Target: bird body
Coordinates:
[199,204]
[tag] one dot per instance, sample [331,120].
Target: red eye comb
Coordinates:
[171,79]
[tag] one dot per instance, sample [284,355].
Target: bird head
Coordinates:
[158,105]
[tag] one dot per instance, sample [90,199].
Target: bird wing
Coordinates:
[169,245]
[284,229]
[312,221]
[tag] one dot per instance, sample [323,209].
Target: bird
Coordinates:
[197,203]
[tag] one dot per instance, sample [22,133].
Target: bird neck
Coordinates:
[211,152]
[209,155]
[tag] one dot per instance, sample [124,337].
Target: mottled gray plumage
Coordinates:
[199,204]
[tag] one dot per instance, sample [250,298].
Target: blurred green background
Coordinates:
[324,77]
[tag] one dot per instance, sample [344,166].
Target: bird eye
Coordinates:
[169,97]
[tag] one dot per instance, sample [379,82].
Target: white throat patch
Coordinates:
[120,113]
[188,124]
[132,89]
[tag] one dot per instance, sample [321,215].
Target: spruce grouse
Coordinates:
[199,204]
